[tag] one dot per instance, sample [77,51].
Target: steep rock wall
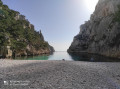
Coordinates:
[101,34]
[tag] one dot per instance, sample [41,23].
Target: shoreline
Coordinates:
[5,63]
[97,54]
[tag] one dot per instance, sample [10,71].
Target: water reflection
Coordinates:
[71,56]
[60,56]
[92,58]
[40,57]
[54,56]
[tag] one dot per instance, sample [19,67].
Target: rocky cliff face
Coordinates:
[101,34]
[51,49]
[18,36]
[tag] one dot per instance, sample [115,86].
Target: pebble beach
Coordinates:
[59,74]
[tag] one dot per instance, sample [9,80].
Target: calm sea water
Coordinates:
[71,56]
[54,56]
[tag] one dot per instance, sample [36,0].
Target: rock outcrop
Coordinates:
[18,36]
[51,49]
[101,34]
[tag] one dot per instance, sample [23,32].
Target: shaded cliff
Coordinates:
[18,36]
[101,34]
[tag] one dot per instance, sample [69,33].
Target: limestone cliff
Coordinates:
[18,36]
[101,34]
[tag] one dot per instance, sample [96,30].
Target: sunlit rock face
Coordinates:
[101,34]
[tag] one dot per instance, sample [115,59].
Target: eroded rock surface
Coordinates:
[101,34]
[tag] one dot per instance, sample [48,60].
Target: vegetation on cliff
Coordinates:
[17,34]
[117,15]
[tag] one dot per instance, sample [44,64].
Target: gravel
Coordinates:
[37,74]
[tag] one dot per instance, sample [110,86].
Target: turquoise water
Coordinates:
[71,56]
[54,56]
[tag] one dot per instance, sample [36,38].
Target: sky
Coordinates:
[59,20]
